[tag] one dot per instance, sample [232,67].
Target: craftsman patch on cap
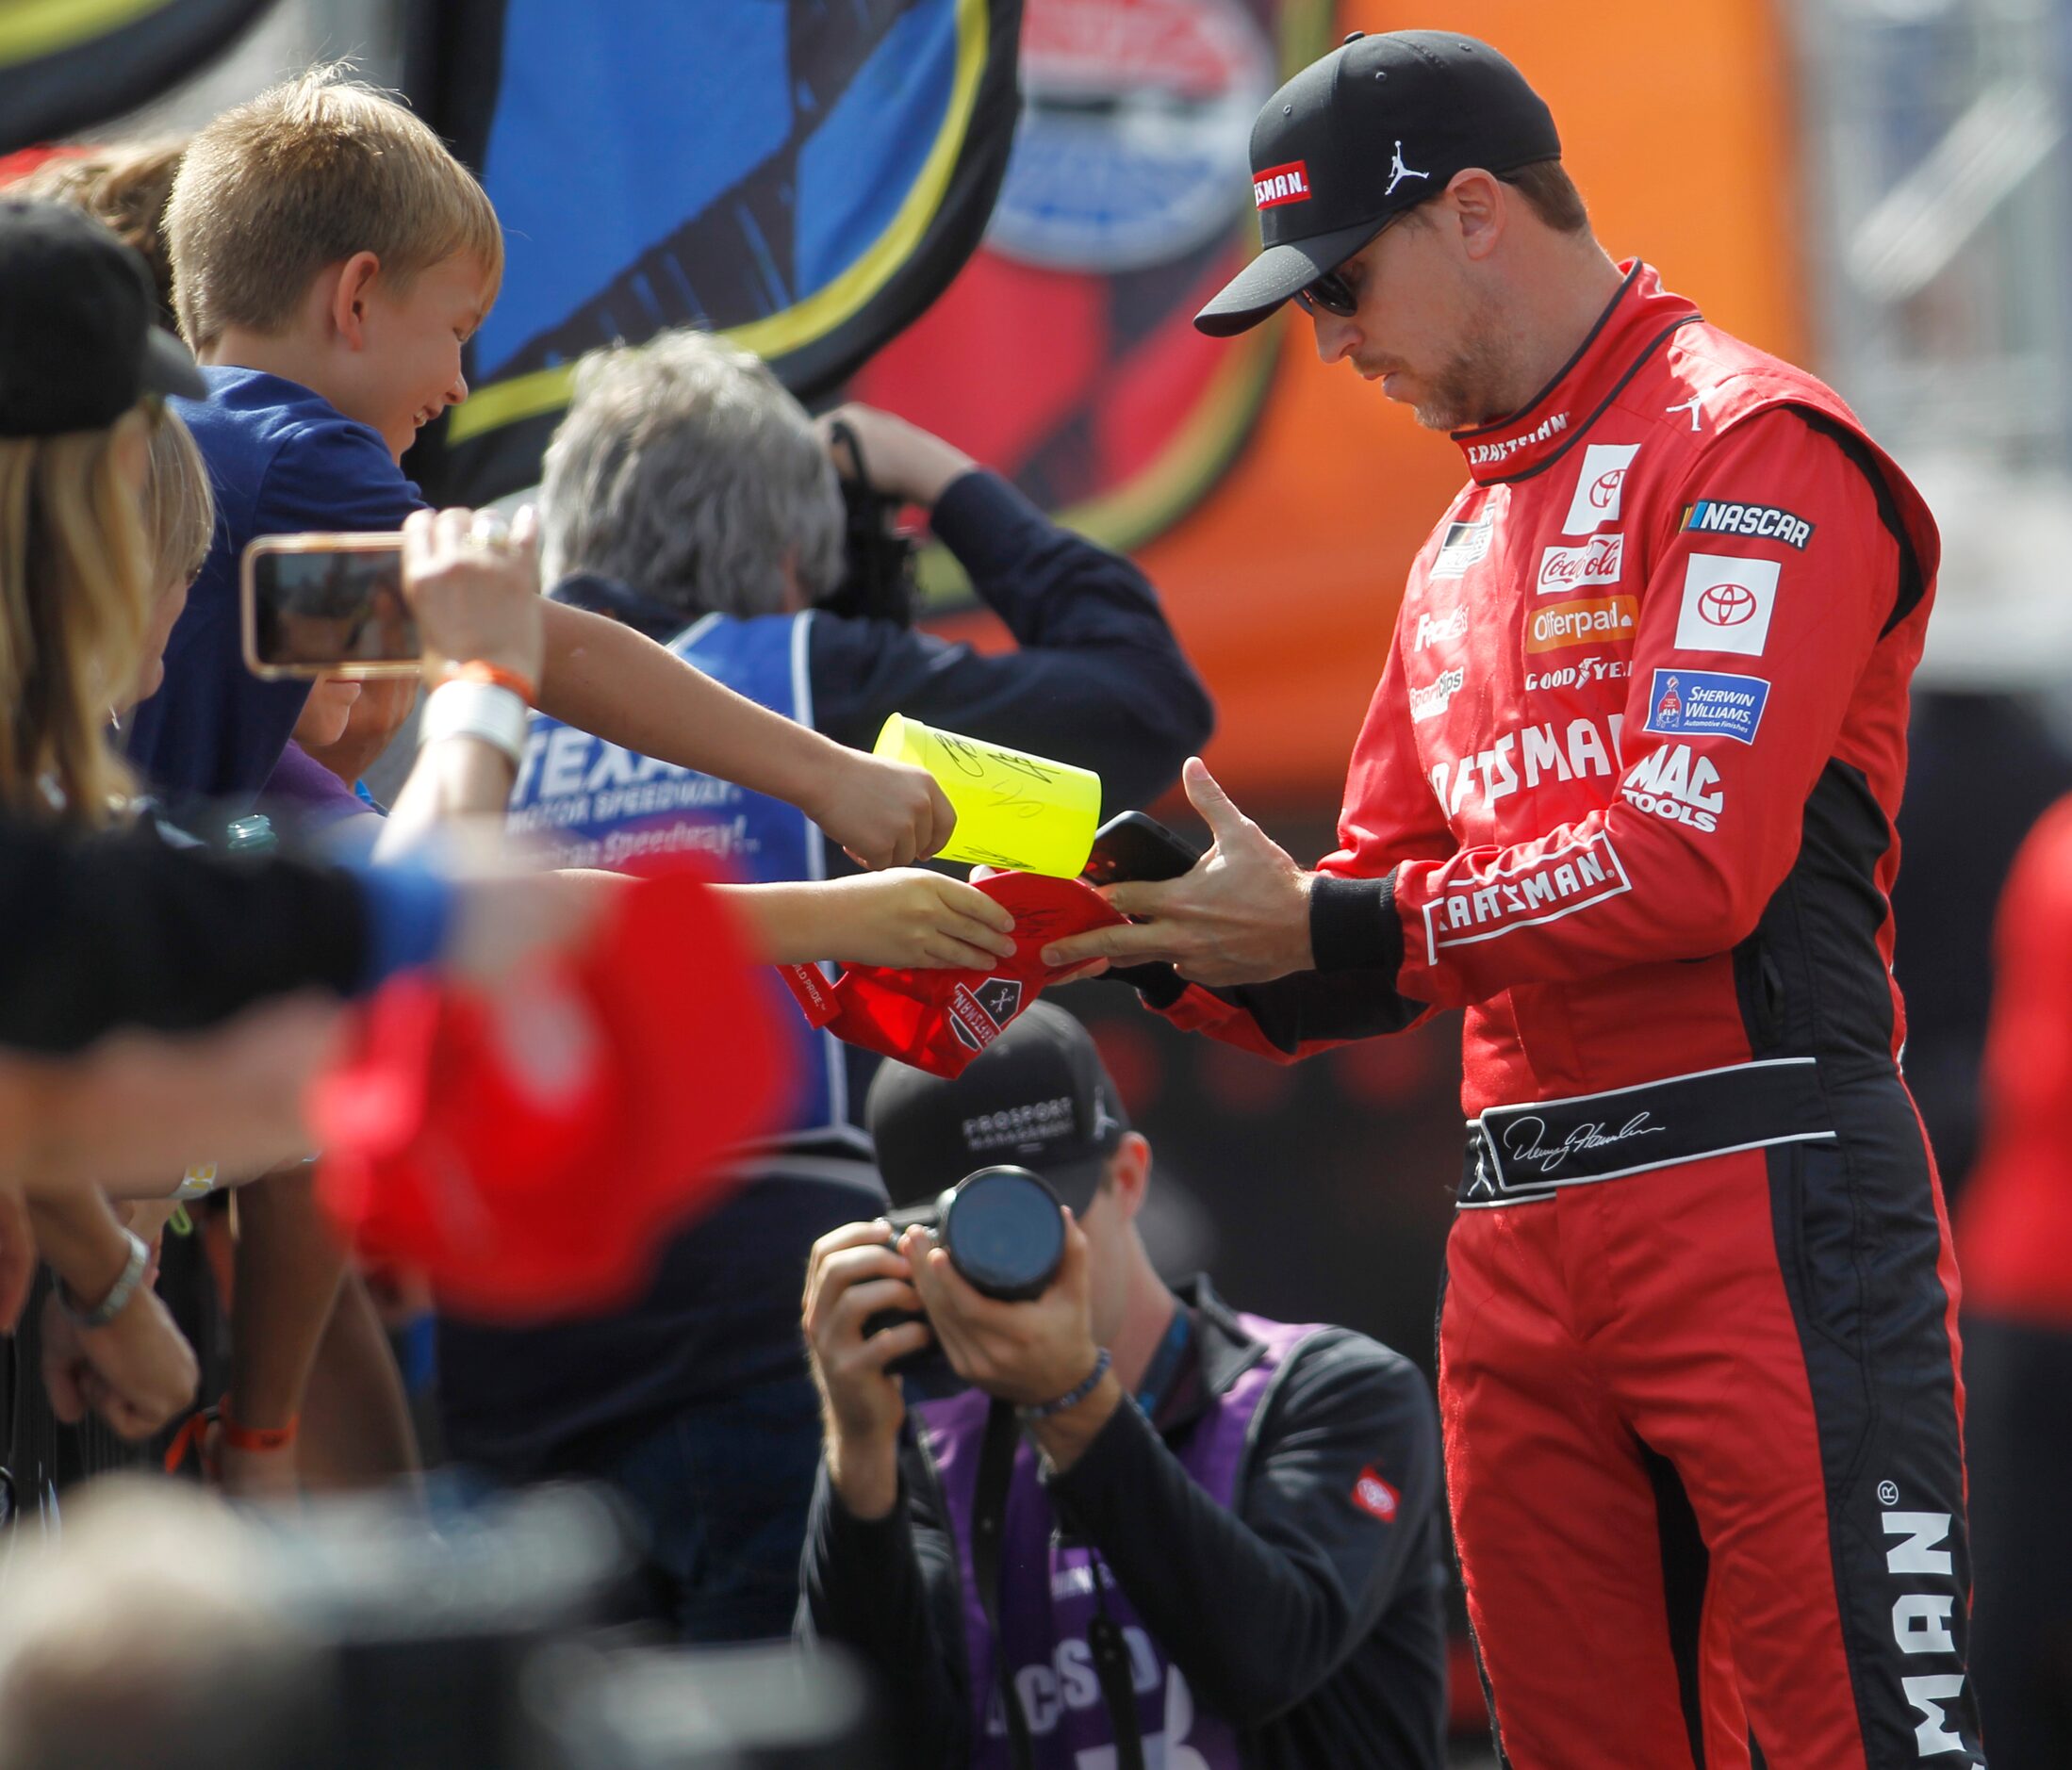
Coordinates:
[1277,184]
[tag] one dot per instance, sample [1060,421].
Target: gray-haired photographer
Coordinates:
[689,495]
[1154,1529]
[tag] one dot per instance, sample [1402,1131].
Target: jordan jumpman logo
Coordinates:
[1398,172]
[1694,406]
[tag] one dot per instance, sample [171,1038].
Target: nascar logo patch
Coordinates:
[1762,522]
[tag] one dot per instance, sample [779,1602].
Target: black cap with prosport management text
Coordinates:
[79,337]
[1037,1097]
[1376,127]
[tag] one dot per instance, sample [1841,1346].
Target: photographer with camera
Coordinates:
[689,495]
[1155,1530]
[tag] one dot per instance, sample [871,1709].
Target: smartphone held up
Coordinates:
[327,605]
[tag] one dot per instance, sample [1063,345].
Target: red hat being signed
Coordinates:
[528,1148]
[938,1021]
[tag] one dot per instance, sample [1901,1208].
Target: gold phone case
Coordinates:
[249,603]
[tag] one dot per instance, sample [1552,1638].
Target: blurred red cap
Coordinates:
[528,1149]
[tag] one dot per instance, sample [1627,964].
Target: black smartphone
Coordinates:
[327,605]
[1134,847]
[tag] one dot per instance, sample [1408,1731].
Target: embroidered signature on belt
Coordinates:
[1523,1139]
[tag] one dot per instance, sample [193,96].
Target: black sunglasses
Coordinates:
[1330,293]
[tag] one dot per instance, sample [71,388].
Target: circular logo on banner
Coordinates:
[1135,115]
[1127,206]
[1727,604]
[1606,488]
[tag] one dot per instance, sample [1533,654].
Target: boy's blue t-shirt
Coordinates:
[282,461]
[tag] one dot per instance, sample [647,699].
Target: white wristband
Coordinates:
[476,710]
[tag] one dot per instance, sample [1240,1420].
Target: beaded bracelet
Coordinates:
[1072,1396]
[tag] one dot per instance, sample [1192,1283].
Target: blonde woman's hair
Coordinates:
[179,508]
[304,175]
[75,600]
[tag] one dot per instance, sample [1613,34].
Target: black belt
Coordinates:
[1518,1153]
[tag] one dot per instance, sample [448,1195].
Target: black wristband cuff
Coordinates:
[1354,925]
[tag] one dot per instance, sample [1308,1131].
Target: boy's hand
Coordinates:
[881,812]
[474,589]
[908,917]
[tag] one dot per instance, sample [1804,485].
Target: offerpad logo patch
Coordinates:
[1588,620]
[1373,1495]
[1599,486]
[1277,184]
[1727,604]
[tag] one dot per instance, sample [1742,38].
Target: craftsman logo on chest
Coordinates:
[1578,749]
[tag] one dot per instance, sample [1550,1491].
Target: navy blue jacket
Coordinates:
[1098,680]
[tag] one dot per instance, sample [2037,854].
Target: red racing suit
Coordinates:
[1625,793]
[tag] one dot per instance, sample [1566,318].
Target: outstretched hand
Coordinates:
[1240,916]
[882,812]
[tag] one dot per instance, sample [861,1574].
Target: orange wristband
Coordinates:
[240,1437]
[474,670]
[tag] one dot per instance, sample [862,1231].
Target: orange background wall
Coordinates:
[1284,582]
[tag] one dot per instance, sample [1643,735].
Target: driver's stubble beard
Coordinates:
[1479,382]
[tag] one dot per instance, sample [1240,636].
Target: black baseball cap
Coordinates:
[1037,1097]
[79,337]
[1376,127]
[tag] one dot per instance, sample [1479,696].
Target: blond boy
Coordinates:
[330,259]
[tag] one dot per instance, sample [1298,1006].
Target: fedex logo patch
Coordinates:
[1277,184]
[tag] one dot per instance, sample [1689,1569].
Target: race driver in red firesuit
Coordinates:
[1625,793]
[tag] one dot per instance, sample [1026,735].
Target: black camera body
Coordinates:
[878,572]
[1005,1234]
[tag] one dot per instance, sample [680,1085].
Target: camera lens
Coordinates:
[1005,1233]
